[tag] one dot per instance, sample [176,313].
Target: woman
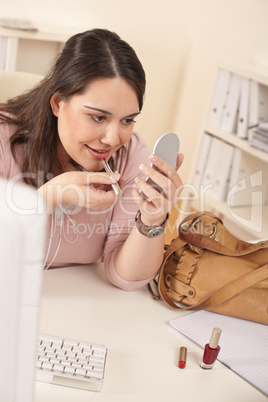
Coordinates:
[55,137]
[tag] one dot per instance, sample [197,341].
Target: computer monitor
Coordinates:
[22,242]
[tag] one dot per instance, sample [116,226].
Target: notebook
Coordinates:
[244,344]
[22,242]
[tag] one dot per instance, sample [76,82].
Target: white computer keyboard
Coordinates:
[70,362]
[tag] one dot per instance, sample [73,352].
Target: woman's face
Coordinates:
[93,125]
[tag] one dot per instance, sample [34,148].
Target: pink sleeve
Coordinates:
[132,155]
[120,282]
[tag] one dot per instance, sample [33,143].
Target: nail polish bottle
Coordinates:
[211,350]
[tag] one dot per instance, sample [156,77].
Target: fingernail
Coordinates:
[115,177]
[153,158]
[143,167]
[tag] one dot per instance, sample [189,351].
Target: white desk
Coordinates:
[142,358]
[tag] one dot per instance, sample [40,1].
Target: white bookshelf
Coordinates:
[28,51]
[232,139]
[250,221]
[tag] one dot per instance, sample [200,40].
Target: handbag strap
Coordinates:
[210,242]
[231,289]
[174,245]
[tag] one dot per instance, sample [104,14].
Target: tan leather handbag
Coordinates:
[206,267]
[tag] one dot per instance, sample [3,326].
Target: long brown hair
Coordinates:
[86,56]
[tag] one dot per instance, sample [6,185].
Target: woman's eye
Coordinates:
[128,121]
[97,118]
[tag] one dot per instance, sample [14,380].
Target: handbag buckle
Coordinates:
[213,234]
[198,220]
[194,222]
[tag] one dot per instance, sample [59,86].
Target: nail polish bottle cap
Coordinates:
[214,340]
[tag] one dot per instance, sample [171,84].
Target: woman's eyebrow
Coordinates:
[133,114]
[97,109]
[106,112]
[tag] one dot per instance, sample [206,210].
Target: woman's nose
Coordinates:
[111,136]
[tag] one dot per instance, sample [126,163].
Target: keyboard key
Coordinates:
[47,365]
[80,371]
[58,367]
[71,342]
[69,370]
[93,374]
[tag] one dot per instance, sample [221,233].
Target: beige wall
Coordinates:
[178,42]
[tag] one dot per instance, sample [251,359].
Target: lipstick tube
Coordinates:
[182,358]
[115,186]
[211,350]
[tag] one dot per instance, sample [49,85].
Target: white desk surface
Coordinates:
[142,359]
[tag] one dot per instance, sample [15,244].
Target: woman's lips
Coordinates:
[98,153]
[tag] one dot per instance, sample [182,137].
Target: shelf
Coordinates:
[246,222]
[252,71]
[232,139]
[44,33]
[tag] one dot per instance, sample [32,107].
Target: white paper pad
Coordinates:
[244,344]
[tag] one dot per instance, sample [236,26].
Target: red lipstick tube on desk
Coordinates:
[182,358]
[211,350]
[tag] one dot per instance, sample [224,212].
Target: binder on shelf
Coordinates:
[243,111]
[11,54]
[201,162]
[253,104]
[229,119]
[3,46]
[222,173]
[258,104]
[219,98]
[263,103]
[248,180]
[211,165]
